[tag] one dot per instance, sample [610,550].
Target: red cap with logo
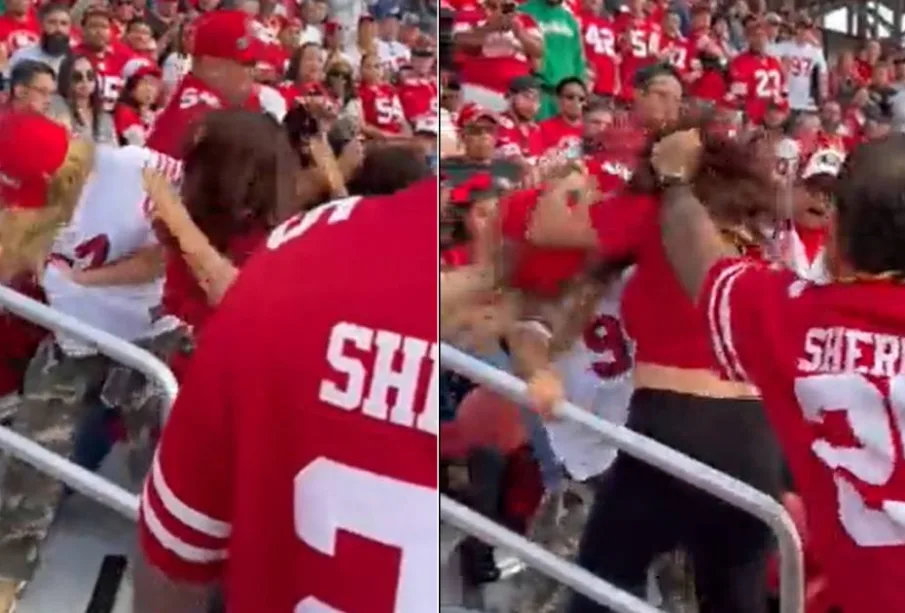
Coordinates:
[228,35]
[26,171]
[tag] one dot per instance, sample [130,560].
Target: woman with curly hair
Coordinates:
[678,400]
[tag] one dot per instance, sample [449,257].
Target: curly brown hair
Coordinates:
[240,175]
[735,180]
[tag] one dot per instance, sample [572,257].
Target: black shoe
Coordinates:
[478,563]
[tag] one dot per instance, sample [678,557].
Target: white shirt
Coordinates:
[272,101]
[800,62]
[34,52]
[393,54]
[110,222]
[311,34]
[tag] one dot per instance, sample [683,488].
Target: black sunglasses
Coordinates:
[579,97]
[82,77]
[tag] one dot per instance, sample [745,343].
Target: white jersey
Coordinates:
[800,63]
[597,376]
[111,221]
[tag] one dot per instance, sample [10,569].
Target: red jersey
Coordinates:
[131,125]
[710,85]
[381,108]
[191,100]
[18,33]
[680,52]
[639,45]
[335,484]
[599,36]
[828,365]
[755,81]
[560,137]
[419,97]
[628,228]
[108,65]
[501,59]
[519,139]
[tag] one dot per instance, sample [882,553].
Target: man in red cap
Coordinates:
[105,268]
[224,51]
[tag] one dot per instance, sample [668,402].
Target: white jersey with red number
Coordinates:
[109,67]
[327,501]
[597,376]
[381,108]
[110,222]
[502,57]
[801,62]
[599,36]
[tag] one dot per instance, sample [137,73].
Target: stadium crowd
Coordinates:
[683,217]
[172,167]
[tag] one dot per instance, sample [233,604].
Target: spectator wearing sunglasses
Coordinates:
[562,132]
[79,104]
[341,86]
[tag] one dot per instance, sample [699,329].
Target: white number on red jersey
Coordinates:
[110,88]
[191,96]
[876,421]
[335,211]
[768,83]
[330,497]
[641,46]
[678,56]
[601,40]
[386,110]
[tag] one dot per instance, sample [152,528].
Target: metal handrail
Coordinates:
[680,466]
[124,352]
[539,558]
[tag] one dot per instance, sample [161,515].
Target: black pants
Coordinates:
[640,511]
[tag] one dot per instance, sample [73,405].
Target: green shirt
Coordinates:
[563,53]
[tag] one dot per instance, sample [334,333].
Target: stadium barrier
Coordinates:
[124,352]
[680,466]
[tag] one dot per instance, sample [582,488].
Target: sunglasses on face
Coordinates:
[83,77]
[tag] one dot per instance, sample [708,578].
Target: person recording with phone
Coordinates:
[497,44]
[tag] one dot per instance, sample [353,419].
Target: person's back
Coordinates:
[829,363]
[303,446]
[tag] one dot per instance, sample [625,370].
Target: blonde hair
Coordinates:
[26,235]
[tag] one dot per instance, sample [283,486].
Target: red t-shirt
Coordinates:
[560,136]
[599,36]
[301,455]
[755,81]
[828,363]
[502,57]
[419,98]
[18,33]
[18,339]
[656,312]
[381,108]
[519,139]
[191,100]
[639,44]
[109,67]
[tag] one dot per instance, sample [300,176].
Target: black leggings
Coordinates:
[640,512]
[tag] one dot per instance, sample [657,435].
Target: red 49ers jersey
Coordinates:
[301,456]
[191,100]
[381,108]
[755,81]
[599,36]
[519,139]
[418,97]
[16,34]
[828,360]
[680,53]
[108,65]
[639,44]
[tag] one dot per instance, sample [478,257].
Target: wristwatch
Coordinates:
[672,179]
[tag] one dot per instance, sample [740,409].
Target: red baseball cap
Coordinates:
[228,35]
[139,67]
[471,112]
[25,172]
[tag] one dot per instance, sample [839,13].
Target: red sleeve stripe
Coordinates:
[171,542]
[183,513]
[719,318]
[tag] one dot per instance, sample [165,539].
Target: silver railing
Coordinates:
[680,466]
[124,352]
